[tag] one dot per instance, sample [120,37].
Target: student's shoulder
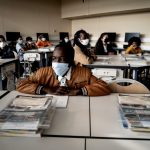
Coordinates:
[44,70]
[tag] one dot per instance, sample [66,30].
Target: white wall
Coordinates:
[78,8]
[32,16]
[120,24]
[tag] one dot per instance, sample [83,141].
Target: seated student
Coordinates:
[63,77]
[42,42]
[104,46]
[6,51]
[134,46]
[66,41]
[82,54]
[30,44]
[20,47]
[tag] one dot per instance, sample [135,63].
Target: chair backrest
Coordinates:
[132,86]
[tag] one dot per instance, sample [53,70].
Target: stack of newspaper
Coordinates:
[135,112]
[26,116]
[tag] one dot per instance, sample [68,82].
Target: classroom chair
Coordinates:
[128,86]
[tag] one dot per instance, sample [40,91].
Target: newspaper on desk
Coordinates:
[136,111]
[26,115]
[30,103]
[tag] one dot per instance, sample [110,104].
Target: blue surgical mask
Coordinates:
[60,68]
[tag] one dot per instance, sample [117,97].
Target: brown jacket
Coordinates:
[81,77]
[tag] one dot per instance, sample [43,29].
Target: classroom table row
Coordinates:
[86,123]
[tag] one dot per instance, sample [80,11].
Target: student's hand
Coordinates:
[75,92]
[46,90]
[62,90]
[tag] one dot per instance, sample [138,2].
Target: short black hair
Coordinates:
[134,39]
[69,51]
[3,38]
[28,38]
[41,36]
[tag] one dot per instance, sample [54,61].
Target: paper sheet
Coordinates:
[61,101]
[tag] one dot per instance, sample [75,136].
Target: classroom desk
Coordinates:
[46,143]
[44,53]
[106,121]
[87,123]
[72,121]
[124,63]
[115,144]
[5,66]
[3,93]
[109,61]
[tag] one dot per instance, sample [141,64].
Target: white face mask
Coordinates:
[2,44]
[43,39]
[66,40]
[60,68]
[84,42]
[20,41]
[29,42]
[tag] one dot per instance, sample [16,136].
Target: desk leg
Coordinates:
[135,74]
[1,85]
[46,57]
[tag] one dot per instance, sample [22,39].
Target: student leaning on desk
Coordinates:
[134,46]
[64,78]
[42,42]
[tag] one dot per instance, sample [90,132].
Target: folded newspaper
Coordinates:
[136,111]
[30,103]
[26,116]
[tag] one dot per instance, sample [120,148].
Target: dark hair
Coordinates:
[103,34]
[134,39]
[77,42]
[99,41]
[2,37]
[20,37]
[99,48]
[28,38]
[41,36]
[69,51]
[77,35]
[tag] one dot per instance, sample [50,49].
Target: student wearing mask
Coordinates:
[63,77]
[83,55]
[134,46]
[20,47]
[6,51]
[42,42]
[30,44]
[104,46]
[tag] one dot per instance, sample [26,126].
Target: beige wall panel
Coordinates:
[76,8]
[32,16]
[91,25]
[72,8]
[117,23]
[105,6]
